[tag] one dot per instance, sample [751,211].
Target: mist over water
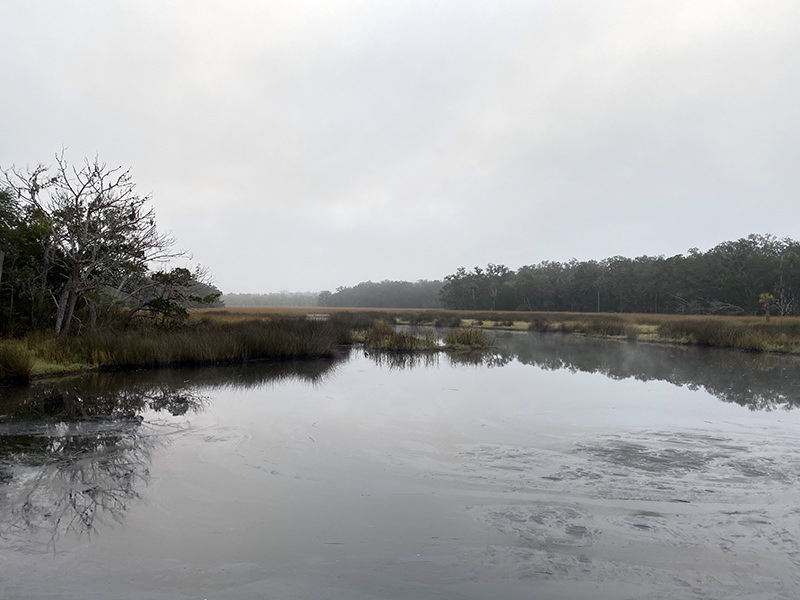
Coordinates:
[550,467]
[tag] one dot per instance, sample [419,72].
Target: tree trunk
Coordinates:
[2,258]
[61,306]
[73,299]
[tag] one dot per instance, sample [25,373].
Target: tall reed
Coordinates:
[202,343]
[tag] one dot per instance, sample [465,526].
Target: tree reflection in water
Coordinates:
[73,458]
[75,453]
[759,381]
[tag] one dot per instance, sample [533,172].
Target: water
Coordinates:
[553,467]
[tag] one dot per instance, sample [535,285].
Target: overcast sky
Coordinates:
[303,145]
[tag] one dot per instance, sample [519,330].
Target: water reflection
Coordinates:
[402,360]
[257,374]
[759,381]
[76,452]
[408,360]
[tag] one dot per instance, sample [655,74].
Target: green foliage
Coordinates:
[168,295]
[23,293]
[479,289]
[76,244]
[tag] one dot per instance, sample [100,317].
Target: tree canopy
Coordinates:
[77,243]
[730,278]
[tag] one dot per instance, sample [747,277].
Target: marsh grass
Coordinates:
[213,343]
[727,332]
[205,341]
[467,338]
[745,333]
[588,324]
[740,333]
[16,361]
[383,336]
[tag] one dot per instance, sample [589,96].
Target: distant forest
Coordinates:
[745,276]
[367,294]
[386,294]
[274,299]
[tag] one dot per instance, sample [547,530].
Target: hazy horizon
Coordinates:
[468,268]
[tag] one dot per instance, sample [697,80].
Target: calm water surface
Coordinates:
[554,467]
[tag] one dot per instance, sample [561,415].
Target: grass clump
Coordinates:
[354,326]
[383,336]
[467,337]
[16,361]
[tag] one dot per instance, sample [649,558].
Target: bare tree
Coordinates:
[101,231]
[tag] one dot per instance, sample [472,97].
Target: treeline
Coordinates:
[276,299]
[746,276]
[76,248]
[385,294]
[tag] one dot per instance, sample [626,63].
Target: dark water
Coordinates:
[552,467]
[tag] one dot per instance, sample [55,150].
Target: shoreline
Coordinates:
[232,336]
